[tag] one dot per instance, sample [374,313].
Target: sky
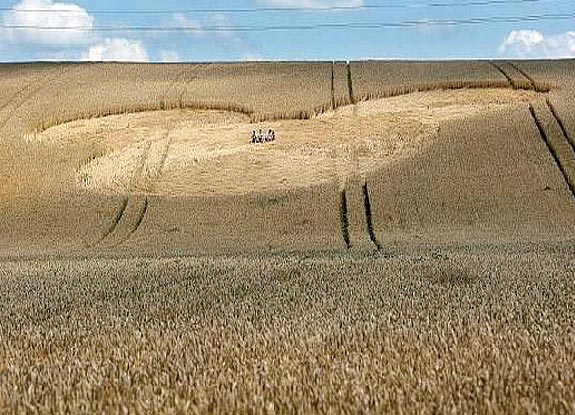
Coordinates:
[214,30]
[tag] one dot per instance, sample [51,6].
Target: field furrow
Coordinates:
[344,219]
[518,78]
[561,123]
[369,216]
[357,219]
[350,84]
[557,143]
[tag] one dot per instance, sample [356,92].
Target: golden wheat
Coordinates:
[410,255]
[461,333]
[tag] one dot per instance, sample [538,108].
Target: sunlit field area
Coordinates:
[403,245]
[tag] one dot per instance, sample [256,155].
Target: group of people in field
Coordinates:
[261,136]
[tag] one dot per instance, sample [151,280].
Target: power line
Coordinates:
[365,25]
[430,4]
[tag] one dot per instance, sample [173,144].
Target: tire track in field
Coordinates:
[333,85]
[556,147]
[343,213]
[516,84]
[560,123]
[531,81]
[350,83]
[126,206]
[116,221]
[356,216]
[369,217]
[526,83]
[136,203]
[134,207]
[140,205]
[137,206]
[505,74]
[18,93]
[144,204]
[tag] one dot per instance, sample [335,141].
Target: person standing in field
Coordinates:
[253,136]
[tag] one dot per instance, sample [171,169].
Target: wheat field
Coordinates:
[404,246]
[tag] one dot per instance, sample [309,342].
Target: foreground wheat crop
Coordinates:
[464,333]
[404,246]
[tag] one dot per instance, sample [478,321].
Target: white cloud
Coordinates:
[67,43]
[47,13]
[313,4]
[534,44]
[214,25]
[191,26]
[223,25]
[117,49]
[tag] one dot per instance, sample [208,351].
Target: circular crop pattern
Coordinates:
[204,153]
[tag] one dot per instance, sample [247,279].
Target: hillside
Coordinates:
[144,158]
[405,245]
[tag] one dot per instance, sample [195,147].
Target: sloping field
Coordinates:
[447,194]
[290,90]
[404,246]
[560,75]
[269,91]
[461,161]
[383,79]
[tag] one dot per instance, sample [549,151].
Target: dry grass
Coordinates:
[482,334]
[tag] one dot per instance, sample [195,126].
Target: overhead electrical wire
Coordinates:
[430,4]
[317,26]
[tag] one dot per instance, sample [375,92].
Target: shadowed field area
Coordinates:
[406,243]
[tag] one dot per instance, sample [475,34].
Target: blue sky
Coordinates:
[523,39]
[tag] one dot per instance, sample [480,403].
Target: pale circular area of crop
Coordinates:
[200,153]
